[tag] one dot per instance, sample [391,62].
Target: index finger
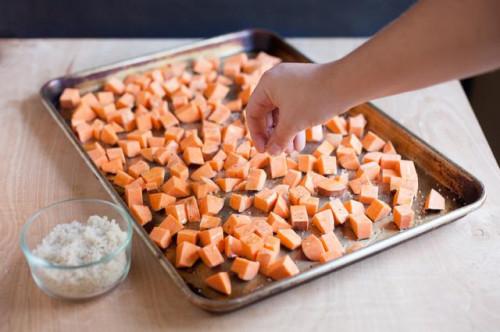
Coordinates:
[257,111]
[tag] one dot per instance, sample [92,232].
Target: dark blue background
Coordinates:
[191,18]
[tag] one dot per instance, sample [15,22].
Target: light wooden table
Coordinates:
[447,280]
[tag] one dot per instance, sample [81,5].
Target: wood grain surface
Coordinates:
[446,280]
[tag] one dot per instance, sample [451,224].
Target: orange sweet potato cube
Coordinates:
[326,165]
[208,221]
[211,205]
[323,221]
[251,243]
[282,268]
[332,245]
[354,207]
[356,125]
[403,196]
[314,134]
[306,162]
[277,222]
[213,235]
[122,179]
[368,193]
[133,195]
[189,235]
[266,257]
[292,178]
[172,224]
[278,166]
[245,269]
[281,207]
[289,238]
[240,203]
[220,282]
[70,98]
[403,216]
[256,179]
[141,214]
[193,156]
[337,125]
[178,211]
[265,200]
[210,255]
[297,193]
[377,210]
[312,248]
[299,217]
[434,201]
[372,142]
[361,226]
[186,254]
[161,237]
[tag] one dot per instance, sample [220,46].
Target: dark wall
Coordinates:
[191,18]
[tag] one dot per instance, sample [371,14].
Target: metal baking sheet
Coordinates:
[464,193]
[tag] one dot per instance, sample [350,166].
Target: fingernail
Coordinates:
[274,149]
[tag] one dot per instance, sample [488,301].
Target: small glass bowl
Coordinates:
[79,281]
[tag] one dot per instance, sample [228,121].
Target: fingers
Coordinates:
[299,142]
[280,137]
[257,111]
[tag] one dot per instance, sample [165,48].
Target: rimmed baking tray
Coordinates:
[463,191]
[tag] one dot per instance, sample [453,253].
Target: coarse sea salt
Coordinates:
[75,244]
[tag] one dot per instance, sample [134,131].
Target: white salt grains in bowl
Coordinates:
[78,249]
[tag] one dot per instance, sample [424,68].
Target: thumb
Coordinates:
[280,137]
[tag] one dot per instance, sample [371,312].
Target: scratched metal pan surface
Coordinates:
[464,193]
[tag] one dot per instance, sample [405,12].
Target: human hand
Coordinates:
[290,98]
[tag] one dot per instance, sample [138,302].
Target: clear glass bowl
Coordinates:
[76,282]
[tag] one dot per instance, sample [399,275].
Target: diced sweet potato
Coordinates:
[403,216]
[368,193]
[377,210]
[278,166]
[312,248]
[245,269]
[356,125]
[361,226]
[323,221]
[372,142]
[232,247]
[314,134]
[289,238]
[403,196]
[70,98]
[337,125]
[266,257]
[354,207]
[306,162]
[189,235]
[282,268]
[178,211]
[208,221]
[347,158]
[122,179]
[297,193]
[220,282]
[326,165]
[265,200]
[299,218]
[213,235]
[186,254]
[211,205]
[352,141]
[172,224]
[292,178]
[434,201]
[154,175]
[210,255]
[281,207]
[251,243]
[161,237]
[370,169]
[331,186]
[176,187]
[333,247]
[133,195]
[256,179]
[240,203]
[277,222]
[141,214]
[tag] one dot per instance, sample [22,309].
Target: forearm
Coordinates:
[435,41]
